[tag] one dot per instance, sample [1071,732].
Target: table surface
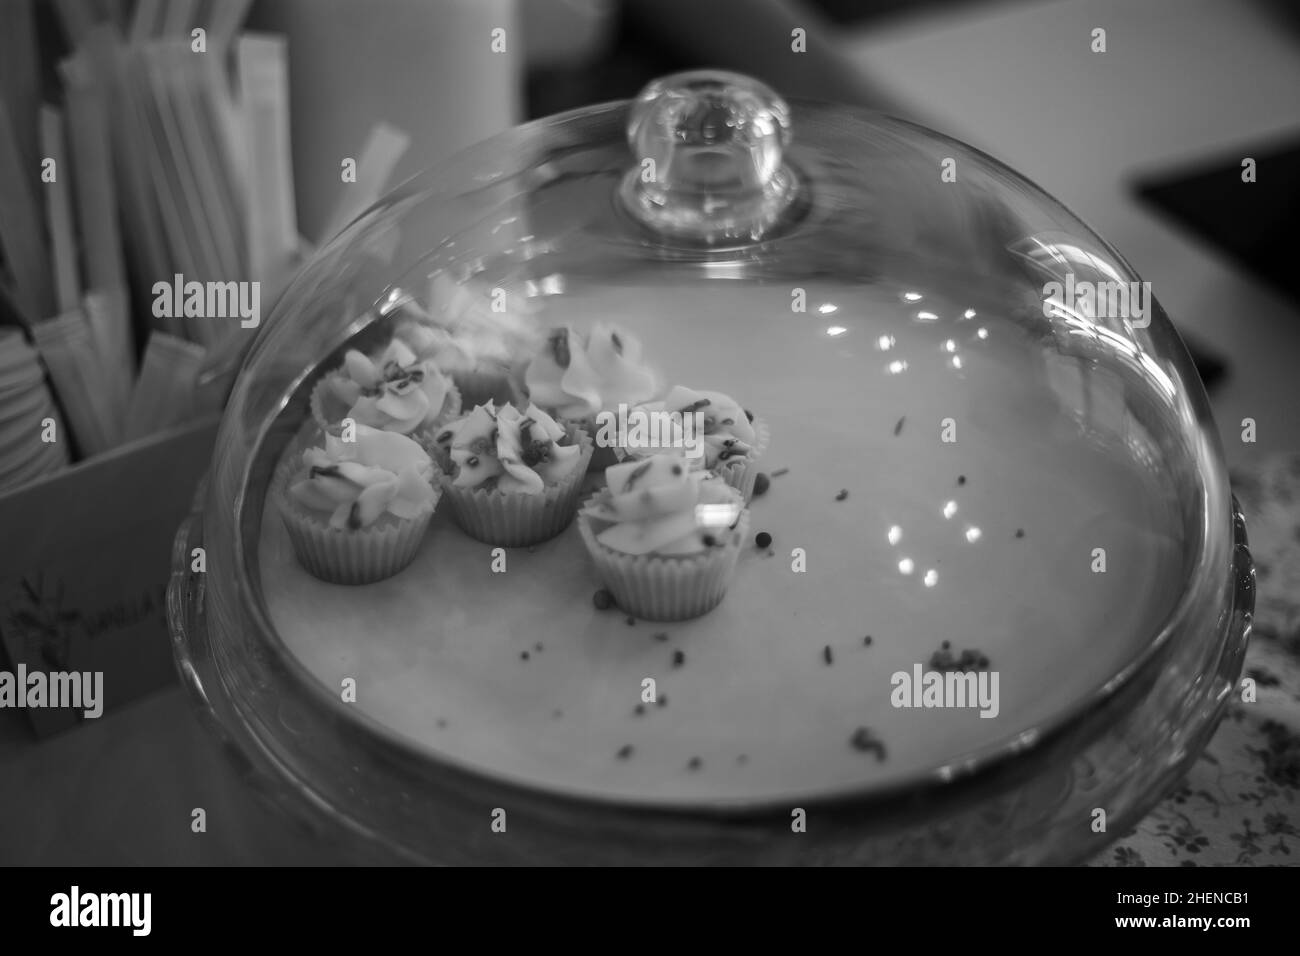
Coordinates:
[1180,78]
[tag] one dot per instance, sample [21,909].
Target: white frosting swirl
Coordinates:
[728,431]
[396,391]
[381,472]
[660,506]
[520,450]
[577,377]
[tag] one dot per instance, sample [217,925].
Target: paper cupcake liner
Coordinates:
[327,410]
[360,556]
[741,473]
[674,588]
[517,520]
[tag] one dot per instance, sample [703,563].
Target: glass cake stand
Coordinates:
[974,468]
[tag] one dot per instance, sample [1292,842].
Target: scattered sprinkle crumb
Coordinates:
[961,479]
[743,758]
[441,723]
[679,658]
[844,493]
[898,428]
[631,621]
[661,636]
[557,714]
[523,655]
[639,709]
[709,540]
[763,539]
[603,600]
[1020,532]
[624,752]
[662,700]
[539,646]
[866,641]
[969,660]
[695,764]
[867,742]
[761,484]
[828,656]
[770,552]
[780,471]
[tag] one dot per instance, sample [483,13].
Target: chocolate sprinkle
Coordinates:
[679,658]
[695,764]
[828,656]
[866,641]
[865,741]
[560,347]
[639,709]
[969,660]
[844,493]
[662,701]
[780,471]
[624,752]
[523,655]
[749,415]
[630,621]
[761,484]
[763,539]
[1020,532]
[961,479]
[898,428]
[661,636]
[603,600]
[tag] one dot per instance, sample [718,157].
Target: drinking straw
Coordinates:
[164,392]
[68,351]
[261,66]
[21,236]
[58,212]
[383,148]
[106,313]
[95,193]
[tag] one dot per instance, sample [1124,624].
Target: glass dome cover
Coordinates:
[941,549]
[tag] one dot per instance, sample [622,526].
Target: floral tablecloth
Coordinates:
[1240,804]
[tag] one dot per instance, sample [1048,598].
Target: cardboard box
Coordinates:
[84,561]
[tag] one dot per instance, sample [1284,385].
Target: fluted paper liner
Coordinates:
[514,520]
[352,556]
[741,473]
[666,588]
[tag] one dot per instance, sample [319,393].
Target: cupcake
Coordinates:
[708,430]
[665,539]
[479,335]
[356,511]
[512,478]
[576,378]
[395,391]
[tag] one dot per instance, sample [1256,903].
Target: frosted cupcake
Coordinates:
[577,377]
[395,391]
[707,430]
[356,511]
[512,478]
[664,539]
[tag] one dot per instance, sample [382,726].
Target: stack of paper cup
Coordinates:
[32,440]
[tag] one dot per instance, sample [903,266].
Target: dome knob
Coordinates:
[709,149]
